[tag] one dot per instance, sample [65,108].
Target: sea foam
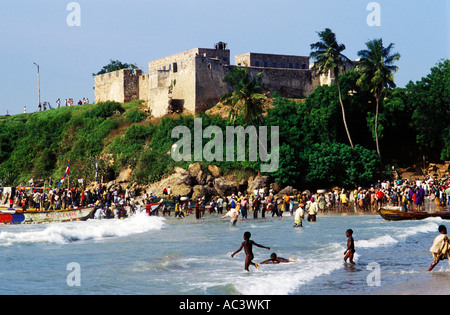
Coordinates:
[64,233]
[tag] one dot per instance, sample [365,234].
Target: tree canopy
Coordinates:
[115,65]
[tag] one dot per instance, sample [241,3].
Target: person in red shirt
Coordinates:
[380,196]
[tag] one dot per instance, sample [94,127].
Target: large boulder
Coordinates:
[202,191]
[197,173]
[225,187]
[215,170]
[124,175]
[289,191]
[195,169]
[180,182]
[258,182]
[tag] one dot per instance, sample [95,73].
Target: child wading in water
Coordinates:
[247,244]
[350,251]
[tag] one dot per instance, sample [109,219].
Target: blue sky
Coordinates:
[138,31]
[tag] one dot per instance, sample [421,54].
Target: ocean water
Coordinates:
[164,255]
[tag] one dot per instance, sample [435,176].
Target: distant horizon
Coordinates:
[72,40]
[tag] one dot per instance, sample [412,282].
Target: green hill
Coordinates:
[414,122]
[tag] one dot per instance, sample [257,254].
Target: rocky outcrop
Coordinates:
[258,182]
[200,183]
[287,191]
[225,187]
[180,183]
[215,170]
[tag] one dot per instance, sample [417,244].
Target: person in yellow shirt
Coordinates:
[343,198]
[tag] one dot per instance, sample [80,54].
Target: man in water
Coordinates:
[247,244]
[233,214]
[299,216]
[274,259]
[441,247]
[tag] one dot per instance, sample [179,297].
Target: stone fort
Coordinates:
[192,81]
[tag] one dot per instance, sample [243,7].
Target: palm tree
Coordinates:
[247,98]
[377,69]
[327,56]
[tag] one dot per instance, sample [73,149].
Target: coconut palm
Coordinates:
[328,58]
[376,67]
[247,98]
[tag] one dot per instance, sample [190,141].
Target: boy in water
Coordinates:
[247,244]
[350,251]
[274,259]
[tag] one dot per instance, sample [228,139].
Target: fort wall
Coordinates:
[209,85]
[272,61]
[120,86]
[287,83]
[192,81]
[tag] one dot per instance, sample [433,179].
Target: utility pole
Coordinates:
[39,84]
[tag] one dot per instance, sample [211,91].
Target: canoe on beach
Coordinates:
[395,214]
[18,216]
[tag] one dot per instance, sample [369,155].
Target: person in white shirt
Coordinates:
[299,216]
[233,214]
[440,248]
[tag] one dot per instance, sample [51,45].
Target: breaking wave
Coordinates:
[64,233]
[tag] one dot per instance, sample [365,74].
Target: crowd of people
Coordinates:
[68,102]
[410,195]
[56,199]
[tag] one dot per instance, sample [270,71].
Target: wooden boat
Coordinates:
[34,216]
[395,214]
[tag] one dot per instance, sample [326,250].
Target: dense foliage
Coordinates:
[314,149]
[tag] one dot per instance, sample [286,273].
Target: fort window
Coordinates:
[266,64]
[297,66]
[256,63]
[291,65]
[274,64]
[304,66]
[283,65]
[175,67]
